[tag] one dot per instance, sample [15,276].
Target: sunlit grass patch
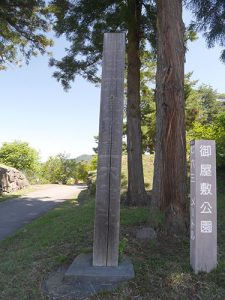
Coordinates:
[148,161]
[162,267]
[18,193]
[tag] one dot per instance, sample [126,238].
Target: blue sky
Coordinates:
[35,108]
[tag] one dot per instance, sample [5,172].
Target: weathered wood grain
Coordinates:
[106,232]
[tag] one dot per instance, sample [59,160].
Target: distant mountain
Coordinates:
[84,157]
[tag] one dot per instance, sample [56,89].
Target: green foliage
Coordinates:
[92,174]
[51,170]
[22,24]
[82,171]
[201,103]
[70,181]
[221,96]
[192,105]
[84,29]
[208,99]
[91,182]
[93,163]
[209,18]
[213,131]
[20,156]
[60,169]
[148,108]
[205,116]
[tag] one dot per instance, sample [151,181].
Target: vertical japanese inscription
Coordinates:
[203,206]
[107,213]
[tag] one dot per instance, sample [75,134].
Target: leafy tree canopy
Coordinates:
[22,24]
[212,131]
[208,99]
[59,169]
[82,171]
[201,105]
[20,156]
[210,18]
[83,22]
[148,107]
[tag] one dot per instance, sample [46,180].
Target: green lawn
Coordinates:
[162,267]
[19,193]
[148,161]
[32,253]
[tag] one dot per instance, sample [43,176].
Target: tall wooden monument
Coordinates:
[106,232]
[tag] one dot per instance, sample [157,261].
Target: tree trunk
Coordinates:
[136,190]
[169,184]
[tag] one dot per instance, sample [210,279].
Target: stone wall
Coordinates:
[11,180]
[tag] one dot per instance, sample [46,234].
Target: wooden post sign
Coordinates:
[107,212]
[203,206]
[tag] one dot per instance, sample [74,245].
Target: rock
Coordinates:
[146,233]
[11,180]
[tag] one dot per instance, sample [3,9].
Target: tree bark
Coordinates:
[136,190]
[169,184]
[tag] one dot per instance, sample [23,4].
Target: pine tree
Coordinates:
[22,24]
[83,22]
[209,18]
[169,184]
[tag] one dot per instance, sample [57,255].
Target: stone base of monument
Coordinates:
[81,279]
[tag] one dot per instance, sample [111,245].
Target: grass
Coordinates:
[18,193]
[161,266]
[148,171]
[162,269]
[22,192]
[27,257]
[148,175]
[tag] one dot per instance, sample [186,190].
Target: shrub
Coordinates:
[91,182]
[213,131]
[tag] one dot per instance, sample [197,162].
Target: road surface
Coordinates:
[15,213]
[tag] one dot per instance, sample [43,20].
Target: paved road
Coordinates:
[15,213]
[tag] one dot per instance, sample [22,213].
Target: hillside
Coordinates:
[148,161]
[84,157]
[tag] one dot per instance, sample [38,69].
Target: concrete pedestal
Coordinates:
[82,279]
[82,269]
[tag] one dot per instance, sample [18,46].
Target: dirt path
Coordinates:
[15,213]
